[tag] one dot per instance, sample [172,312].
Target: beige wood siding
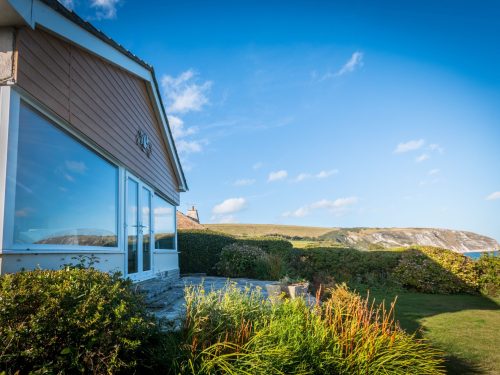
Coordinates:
[105,103]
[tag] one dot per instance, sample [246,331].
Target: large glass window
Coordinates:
[164,224]
[65,193]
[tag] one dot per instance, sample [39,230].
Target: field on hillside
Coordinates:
[258,230]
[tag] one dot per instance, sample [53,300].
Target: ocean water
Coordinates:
[477,254]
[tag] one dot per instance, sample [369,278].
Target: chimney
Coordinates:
[193,214]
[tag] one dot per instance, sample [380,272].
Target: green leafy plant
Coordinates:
[435,270]
[235,331]
[488,269]
[73,320]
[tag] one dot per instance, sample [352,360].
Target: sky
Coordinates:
[327,113]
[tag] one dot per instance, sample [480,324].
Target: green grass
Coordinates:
[465,327]
[257,230]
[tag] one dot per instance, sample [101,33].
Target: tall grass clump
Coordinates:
[233,331]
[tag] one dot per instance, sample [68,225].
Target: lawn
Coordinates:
[465,327]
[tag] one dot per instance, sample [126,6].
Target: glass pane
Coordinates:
[164,221]
[132,225]
[65,193]
[146,229]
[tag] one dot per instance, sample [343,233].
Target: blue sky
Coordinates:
[339,113]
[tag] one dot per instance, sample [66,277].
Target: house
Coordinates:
[88,165]
[189,220]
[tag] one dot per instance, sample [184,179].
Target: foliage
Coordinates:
[200,251]
[237,332]
[488,269]
[329,266]
[435,270]
[240,260]
[72,320]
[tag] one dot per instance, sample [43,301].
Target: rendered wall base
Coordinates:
[11,263]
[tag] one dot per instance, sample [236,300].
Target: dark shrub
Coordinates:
[335,265]
[200,250]
[488,269]
[435,270]
[72,320]
[240,260]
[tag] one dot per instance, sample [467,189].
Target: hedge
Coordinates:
[200,250]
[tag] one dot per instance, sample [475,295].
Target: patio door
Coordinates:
[138,228]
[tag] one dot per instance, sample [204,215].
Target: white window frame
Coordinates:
[8,245]
[165,251]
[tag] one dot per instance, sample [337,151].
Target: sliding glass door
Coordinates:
[139,231]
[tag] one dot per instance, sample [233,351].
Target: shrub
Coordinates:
[72,320]
[237,332]
[238,260]
[200,250]
[435,270]
[329,266]
[488,269]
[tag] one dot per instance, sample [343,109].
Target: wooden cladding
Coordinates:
[105,103]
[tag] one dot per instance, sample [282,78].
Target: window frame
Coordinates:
[9,246]
[174,207]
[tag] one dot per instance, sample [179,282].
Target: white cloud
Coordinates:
[244,182]
[352,64]
[325,174]
[320,175]
[189,147]
[105,9]
[278,175]
[493,196]
[257,165]
[302,177]
[433,172]
[338,206]
[178,129]
[422,158]
[76,166]
[409,146]
[183,93]
[229,206]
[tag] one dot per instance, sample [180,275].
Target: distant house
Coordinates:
[189,221]
[88,164]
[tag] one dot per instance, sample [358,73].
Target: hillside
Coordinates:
[368,238]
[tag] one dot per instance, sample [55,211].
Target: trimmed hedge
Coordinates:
[73,321]
[434,270]
[200,250]
[329,266]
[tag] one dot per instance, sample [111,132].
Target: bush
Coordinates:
[239,260]
[237,332]
[72,320]
[488,269]
[200,250]
[329,266]
[435,270]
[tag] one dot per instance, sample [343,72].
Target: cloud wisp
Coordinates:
[185,94]
[320,175]
[352,64]
[409,146]
[105,9]
[421,158]
[224,212]
[277,176]
[337,207]
[493,196]
[244,182]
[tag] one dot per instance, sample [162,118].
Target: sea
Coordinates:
[477,254]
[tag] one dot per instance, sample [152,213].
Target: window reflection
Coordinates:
[164,221]
[65,194]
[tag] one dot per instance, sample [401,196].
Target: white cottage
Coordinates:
[88,165]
